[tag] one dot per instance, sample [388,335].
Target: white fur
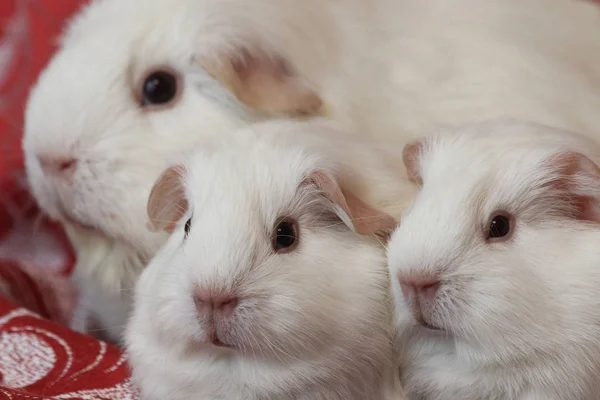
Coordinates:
[521,318]
[384,68]
[311,324]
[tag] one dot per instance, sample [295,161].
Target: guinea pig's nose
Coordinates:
[222,303]
[58,165]
[421,286]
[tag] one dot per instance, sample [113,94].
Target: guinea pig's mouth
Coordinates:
[424,323]
[214,339]
[422,316]
[68,218]
[218,343]
[429,326]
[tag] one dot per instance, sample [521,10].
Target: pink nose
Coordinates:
[221,303]
[424,288]
[58,166]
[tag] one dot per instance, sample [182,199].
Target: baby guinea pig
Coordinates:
[272,285]
[496,266]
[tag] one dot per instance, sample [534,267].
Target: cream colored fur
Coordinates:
[385,69]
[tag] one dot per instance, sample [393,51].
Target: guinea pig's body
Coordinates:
[265,288]
[136,82]
[495,266]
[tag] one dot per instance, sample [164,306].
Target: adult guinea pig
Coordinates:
[136,82]
[272,285]
[495,266]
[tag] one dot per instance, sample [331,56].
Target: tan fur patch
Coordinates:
[265,84]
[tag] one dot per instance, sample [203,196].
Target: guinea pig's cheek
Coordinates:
[252,330]
[175,315]
[246,318]
[454,308]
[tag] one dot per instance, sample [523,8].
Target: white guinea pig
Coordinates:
[265,288]
[135,82]
[495,267]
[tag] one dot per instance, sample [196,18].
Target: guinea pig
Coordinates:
[134,83]
[272,285]
[494,267]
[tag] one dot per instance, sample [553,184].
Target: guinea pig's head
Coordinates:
[134,83]
[482,256]
[268,257]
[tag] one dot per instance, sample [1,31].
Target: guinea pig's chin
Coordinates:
[51,205]
[67,218]
[56,212]
[80,226]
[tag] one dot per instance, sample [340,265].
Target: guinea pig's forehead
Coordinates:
[117,19]
[504,187]
[519,179]
[447,200]
[135,42]
[227,181]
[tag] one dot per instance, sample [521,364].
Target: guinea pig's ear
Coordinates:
[579,177]
[411,157]
[167,202]
[265,83]
[354,212]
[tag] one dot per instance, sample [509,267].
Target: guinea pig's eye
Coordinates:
[188,226]
[500,226]
[285,235]
[159,88]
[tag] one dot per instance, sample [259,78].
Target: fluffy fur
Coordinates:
[314,323]
[519,318]
[383,69]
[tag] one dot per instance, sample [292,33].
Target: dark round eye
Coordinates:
[499,227]
[285,236]
[188,226]
[159,88]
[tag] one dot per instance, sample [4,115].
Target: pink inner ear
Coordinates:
[579,179]
[587,210]
[410,156]
[246,66]
[329,187]
[167,203]
[366,220]
[369,220]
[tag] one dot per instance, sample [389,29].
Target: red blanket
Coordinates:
[43,360]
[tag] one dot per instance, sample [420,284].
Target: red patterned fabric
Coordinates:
[39,357]
[43,360]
